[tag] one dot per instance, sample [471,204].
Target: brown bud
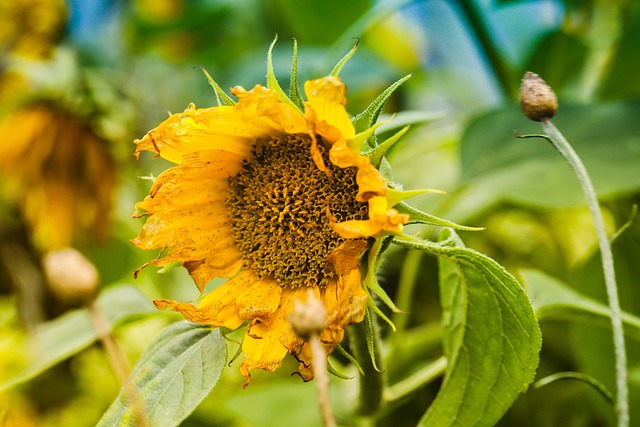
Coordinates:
[308,318]
[537,99]
[71,277]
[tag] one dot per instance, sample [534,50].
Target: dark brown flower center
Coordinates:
[278,205]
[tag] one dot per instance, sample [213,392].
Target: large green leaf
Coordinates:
[620,81]
[497,167]
[491,336]
[173,375]
[554,300]
[74,331]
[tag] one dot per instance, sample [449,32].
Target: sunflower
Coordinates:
[58,172]
[276,196]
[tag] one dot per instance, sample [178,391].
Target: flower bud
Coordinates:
[537,99]
[308,318]
[71,277]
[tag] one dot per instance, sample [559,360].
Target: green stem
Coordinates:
[564,148]
[372,381]
[419,379]
[406,285]
[480,29]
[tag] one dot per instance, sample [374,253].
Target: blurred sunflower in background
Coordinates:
[57,172]
[275,194]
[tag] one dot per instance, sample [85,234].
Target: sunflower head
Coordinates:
[277,194]
[58,172]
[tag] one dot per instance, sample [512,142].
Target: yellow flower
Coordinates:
[57,170]
[276,200]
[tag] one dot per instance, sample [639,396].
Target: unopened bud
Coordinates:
[308,318]
[71,277]
[537,99]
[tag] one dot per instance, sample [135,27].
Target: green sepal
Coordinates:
[371,281]
[386,171]
[221,96]
[272,82]
[167,268]
[370,338]
[416,216]
[396,196]
[370,115]
[225,332]
[335,373]
[294,87]
[358,142]
[338,68]
[376,155]
[344,353]
[381,314]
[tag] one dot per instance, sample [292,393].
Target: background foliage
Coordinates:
[121,65]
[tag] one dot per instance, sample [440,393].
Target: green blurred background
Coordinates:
[100,73]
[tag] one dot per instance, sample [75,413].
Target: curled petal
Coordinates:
[218,307]
[263,104]
[196,129]
[269,339]
[381,220]
[325,107]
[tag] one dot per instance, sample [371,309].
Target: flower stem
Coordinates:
[566,151]
[422,377]
[322,380]
[372,381]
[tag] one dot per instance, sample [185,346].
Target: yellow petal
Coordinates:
[218,307]
[268,340]
[261,300]
[346,257]
[263,104]
[327,98]
[345,301]
[381,220]
[196,129]
[186,215]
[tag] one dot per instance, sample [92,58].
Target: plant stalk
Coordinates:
[567,152]
[372,382]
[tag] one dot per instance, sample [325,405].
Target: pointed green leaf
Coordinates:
[173,375]
[336,70]
[272,82]
[396,196]
[369,335]
[491,336]
[69,334]
[294,86]
[416,216]
[376,155]
[371,281]
[221,96]
[357,142]
[369,116]
[554,300]
[344,353]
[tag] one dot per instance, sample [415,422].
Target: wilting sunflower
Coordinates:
[58,172]
[273,193]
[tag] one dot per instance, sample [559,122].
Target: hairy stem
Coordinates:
[566,151]
[322,379]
